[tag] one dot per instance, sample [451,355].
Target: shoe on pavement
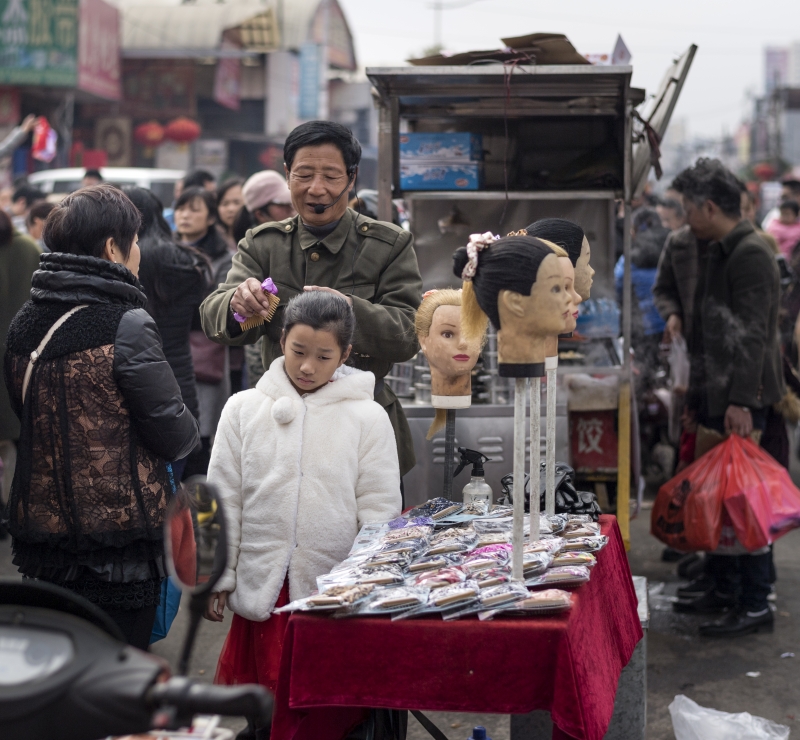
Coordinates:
[739,622]
[708,603]
[695,589]
[686,563]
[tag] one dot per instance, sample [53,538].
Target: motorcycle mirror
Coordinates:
[196,548]
[195,538]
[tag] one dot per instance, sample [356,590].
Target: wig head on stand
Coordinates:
[431,301]
[566,234]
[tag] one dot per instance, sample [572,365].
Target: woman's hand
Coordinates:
[214,613]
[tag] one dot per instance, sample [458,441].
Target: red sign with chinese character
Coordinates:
[98,50]
[593,440]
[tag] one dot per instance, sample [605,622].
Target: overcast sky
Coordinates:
[728,67]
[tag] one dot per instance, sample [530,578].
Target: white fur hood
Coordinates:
[298,476]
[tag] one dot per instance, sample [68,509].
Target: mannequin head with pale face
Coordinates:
[450,354]
[519,285]
[571,237]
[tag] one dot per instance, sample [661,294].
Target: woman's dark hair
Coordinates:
[243,222]
[710,180]
[645,219]
[567,234]
[197,179]
[317,133]
[791,206]
[151,210]
[85,219]
[231,182]
[511,263]
[6,228]
[322,312]
[188,195]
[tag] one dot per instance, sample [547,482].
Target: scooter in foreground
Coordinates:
[67,674]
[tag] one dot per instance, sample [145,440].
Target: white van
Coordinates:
[161,182]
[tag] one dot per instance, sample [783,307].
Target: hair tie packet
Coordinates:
[552,545]
[269,289]
[443,600]
[536,563]
[493,526]
[417,521]
[414,546]
[436,508]
[536,604]
[492,577]
[334,597]
[408,533]
[392,601]
[575,558]
[434,579]
[433,562]
[455,540]
[496,597]
[393,557]
[584,530]
[586,544]
[482,561]
[563,577]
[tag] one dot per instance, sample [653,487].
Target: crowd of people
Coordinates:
[126,331]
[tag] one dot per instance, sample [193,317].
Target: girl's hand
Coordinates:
[215,613]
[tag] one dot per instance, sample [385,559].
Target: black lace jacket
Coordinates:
[102,416]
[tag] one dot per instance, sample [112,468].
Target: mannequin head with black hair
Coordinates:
[519,284]
[571,237]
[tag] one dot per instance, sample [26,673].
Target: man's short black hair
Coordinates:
[317,133]
[93,173]
[198,179]
[85,219]
[30,193]
[790,205]
[40,210]
[793,186]
[710,180]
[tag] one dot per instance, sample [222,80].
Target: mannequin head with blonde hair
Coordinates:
[450,354]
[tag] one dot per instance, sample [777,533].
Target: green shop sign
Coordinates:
[39,42]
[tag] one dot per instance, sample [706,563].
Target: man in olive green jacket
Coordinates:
[330,247]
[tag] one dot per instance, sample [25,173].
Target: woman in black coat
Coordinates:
[101,416]
[176,278]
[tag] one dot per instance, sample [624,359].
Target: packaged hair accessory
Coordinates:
[538,603]
[585,544]
[333,597]
[433,562]
[575,558]
[574,575]
[394,600]
[434,579]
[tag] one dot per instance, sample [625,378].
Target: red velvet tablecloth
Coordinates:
[568,665]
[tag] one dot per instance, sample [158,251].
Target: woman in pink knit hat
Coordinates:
[266,198]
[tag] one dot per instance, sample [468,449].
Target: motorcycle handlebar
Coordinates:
[188,697]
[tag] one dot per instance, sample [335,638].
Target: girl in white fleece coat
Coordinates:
[301,462]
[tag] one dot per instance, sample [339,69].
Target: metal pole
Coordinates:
[551,365]
[518,533]
[449,453]
[385,160]
[536,442]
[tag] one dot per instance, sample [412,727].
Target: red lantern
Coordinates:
[149,134]
[182,130]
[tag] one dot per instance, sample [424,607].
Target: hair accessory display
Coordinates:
[573,575]
[271,291]
[477,243]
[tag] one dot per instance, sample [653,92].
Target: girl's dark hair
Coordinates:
[317,133]
[188,195]
[6,228]
[231,182]
[85,219]
[322,312]
[566,234]
[151,210]
[511,263]
[243,222]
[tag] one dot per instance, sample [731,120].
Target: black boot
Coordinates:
[696,588]
[739,622]
[708,603]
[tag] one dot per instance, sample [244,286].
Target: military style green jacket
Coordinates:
[372,261]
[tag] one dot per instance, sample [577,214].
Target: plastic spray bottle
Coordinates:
[477,489]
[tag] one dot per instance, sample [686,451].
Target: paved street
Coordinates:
[713,673]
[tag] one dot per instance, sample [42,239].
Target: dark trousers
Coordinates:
[136,624]
[746,577]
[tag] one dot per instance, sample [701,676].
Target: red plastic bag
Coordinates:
[760,498]
[687,514]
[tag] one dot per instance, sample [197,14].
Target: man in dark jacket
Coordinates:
[736,361]
[328,247]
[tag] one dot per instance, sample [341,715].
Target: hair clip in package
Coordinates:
[538,603]
[434,579]
[585,544]
[270,290]
[536,563]
[550,545]
[452,540]
[493,556]
[573,575]
[367,536]
[443,600]
[575,558]
[436,508]
[333,597]
[434,562]
[492,577]
[408,533]
[402,522]
[394,600]
[491,598]
[583,530]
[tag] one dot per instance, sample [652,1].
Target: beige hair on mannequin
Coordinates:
[422,324]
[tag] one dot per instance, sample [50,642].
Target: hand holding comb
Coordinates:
[271,291]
